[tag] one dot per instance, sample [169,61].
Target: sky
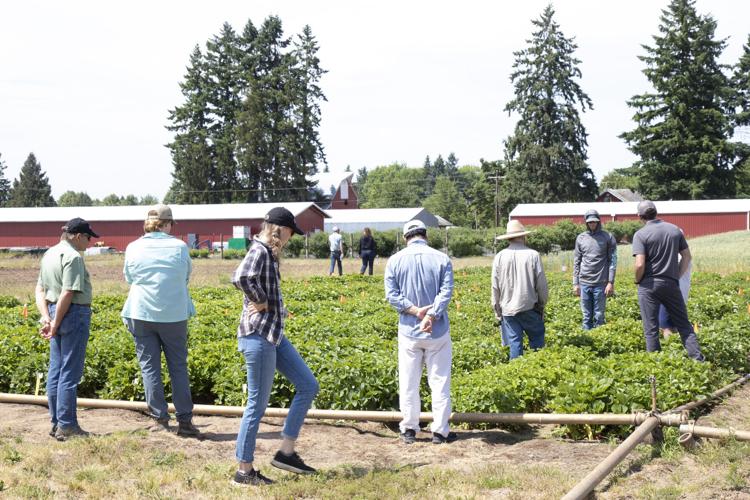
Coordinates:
[86,85]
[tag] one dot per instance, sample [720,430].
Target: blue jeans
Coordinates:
[335,259]
[67,352]
[262,358]
[151,338]
[513,327]
[593,302]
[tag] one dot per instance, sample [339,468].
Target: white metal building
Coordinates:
[377,219]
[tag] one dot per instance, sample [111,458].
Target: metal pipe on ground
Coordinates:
[714,432]
[593,478]
[374,416]
[717,394]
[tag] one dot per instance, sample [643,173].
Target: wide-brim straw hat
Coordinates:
[514,229]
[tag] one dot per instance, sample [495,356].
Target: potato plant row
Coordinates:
[346,331]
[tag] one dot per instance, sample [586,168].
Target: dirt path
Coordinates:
[326,444]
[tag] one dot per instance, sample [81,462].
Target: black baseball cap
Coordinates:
[79,226]
[282,217]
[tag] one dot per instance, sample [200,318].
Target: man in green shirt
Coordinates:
[63,297]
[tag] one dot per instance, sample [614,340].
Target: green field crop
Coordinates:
[346,331]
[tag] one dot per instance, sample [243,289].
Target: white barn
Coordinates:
[377,219]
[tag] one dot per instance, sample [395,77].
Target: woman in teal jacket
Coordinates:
[157,267]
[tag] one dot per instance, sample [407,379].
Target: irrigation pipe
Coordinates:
[714,432]
[717,394]
[593,478]
[375,416]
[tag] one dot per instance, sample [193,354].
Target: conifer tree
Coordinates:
[546,156]
[223,66]
[263,120]
[32,188]
[741,85]
[194,174]
[683,127]
[4,184]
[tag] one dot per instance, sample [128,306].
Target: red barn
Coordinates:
[695,217]
[118,226]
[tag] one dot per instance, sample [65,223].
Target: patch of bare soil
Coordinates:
[326,444]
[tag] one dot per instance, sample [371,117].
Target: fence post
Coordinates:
[351,245]
[307,251]
[221,245]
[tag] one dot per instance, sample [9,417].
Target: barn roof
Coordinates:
[138,212]
[630,208]
[374,215]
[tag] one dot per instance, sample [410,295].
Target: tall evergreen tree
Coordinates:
[263,120]
[684,125]
[741,85]
[546,155]
[32,188]
[306,97]
[224,72]
[4,184]
[194,175]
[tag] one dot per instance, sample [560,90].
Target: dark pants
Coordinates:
[368,258]
[335,259]
[666,292]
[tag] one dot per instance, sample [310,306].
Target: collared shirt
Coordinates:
[661,243]
[157,267]
[418,276]
[334,242]
[63,269]
[594,258]
[518,281]
[258,278]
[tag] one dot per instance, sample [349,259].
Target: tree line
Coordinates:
[32,189]
[247,130]
[683,137]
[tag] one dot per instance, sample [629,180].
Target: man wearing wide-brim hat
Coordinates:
[519,291]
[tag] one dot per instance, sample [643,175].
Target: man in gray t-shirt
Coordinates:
[657,248]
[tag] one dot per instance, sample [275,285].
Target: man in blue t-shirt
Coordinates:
[657,248]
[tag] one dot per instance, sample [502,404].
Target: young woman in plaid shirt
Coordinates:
[266,349]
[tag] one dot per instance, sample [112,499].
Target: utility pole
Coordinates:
[496,178]
[497,211]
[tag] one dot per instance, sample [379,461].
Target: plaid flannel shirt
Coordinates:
[258,277]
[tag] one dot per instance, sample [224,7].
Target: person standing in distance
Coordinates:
[662,256]
[63,298]
[519,291]
[594,266]
[367,250]
[336,245]
[419,284]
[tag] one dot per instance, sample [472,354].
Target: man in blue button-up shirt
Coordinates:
[419,285]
